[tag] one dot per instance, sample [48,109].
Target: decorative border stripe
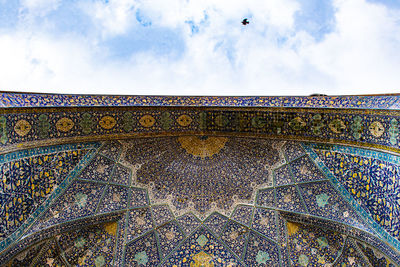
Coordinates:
[14,99]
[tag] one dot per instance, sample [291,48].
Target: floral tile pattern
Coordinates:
[313,246]
[323,200]
[304,170]
[115,198]
[169,235]
[139,222]
[351,256]
[288,198]
[188,222]
[100,169]
[201,158]
[79,200]
[15,99]
[293,150]
[261,252]
[143,251]
[88,246]
[216,222]
[265,222]
[283,176]
[243,214]
[93,246]
[375,257]
[235,236]
[202,248]
[121,175]
[27,182]
[373,182]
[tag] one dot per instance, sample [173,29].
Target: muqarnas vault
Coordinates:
[199,181]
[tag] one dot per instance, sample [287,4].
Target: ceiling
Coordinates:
[194,186]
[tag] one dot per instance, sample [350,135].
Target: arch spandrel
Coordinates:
[231,184]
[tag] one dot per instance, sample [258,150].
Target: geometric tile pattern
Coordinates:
[88,246]
[375,257]
[372,182]
[26,183]
[313,246]
[153,231]
[201,159]
[323,200]
[351,256]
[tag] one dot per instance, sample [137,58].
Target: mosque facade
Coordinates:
[199,181]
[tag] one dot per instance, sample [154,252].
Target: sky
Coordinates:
[200,47]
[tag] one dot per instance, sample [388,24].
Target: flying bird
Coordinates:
[245,22]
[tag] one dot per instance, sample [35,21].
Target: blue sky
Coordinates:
[186,47]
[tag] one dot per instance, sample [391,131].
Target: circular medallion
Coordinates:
[22,127]
[184,120]
[376,129]
[64,124]
[147,121]
[107,122]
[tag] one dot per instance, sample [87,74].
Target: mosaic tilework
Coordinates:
[143,251]
[304,170]
[121,175]
[45,125]
[93,246]
[88,246]
[265,222]
[120,242]
[139,222]
[282,238]
[49,256]
[261,252]
[115,198]
[138,198]
[26,258]
[169,235]
[100,169]
[266,197]
[371,239]
[188,222]
[161,214]
[313,246]
[235,236]
[27,182]
[171,159]
[351,256]
[28,241]
[80,199]
[215,222]
[283,176]
[323,200]
[243,214]
[202,249]
[292,150]
[288,198]
[14,99]
[111,149]
[374,183]
[155,231]
[375,257]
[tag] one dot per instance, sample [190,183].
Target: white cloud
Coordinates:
[360,56]
[39,7]
[114,17]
